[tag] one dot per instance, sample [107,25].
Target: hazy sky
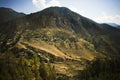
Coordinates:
[97,10]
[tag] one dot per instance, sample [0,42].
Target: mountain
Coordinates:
[81,26]
[114,25]
[59,40]
[7,14]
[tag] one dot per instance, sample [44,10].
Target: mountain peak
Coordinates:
[56,11]
[58,8]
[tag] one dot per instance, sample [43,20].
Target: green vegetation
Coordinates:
[12,68]
[108,69]
[33,69]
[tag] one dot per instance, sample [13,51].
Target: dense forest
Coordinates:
[102,70]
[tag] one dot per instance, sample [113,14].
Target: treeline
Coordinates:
[108,69]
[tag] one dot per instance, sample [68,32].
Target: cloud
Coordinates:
[106,18]
[41,4]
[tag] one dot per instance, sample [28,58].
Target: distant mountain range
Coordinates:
[65,39]
[114,25]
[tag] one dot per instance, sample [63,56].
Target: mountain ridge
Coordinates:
[7,14]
